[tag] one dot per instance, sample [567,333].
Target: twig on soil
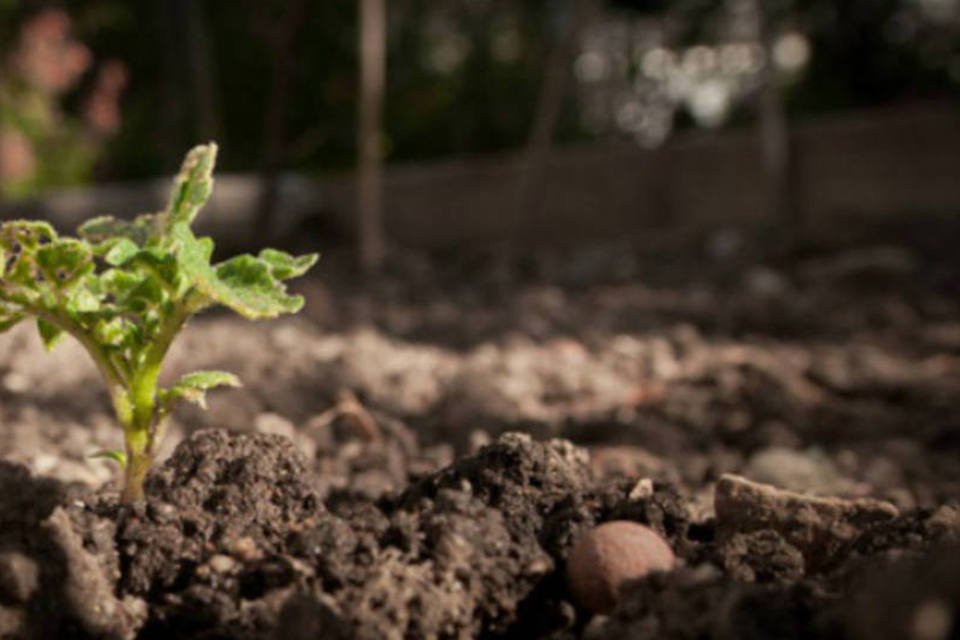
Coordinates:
[349,407]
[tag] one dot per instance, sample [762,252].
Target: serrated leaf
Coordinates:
[284,266]
[253,288]
[120,457]
[122,251]
[118,283]
[83,300]
[8,321]
[159,263]
[50,334]
[105,230]
[242,283]
[192,186]
[64,261]
[193,387]
[28,234]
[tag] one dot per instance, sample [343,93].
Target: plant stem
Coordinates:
[138,464]
[141,427]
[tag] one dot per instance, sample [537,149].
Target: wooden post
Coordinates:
[553,90]
[774,130]
[373,50]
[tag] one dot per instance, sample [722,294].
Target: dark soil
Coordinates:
[418,459]
[235,542]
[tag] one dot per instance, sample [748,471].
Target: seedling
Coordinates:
[125,289]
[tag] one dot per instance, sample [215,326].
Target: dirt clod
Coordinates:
[820,528]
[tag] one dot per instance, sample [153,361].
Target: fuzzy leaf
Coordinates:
[284,266]
[192,186]
[193,387]
[120,457]
[106,230]
[121,252]
[8,320]
[64,261]
[50,334]
[243,283]
[159,263]
[113,332]
[253,291]
[26,234]
[83,300]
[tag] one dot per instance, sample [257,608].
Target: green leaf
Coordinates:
[113,332]
[50,334]
[242,283]
[192,186]
[83,300]
[26,234]
[159,263]
[120,457]
[284,266]
[253,291]
[121,252]
[9,320]
[64,260]
[193,387]
[105,230]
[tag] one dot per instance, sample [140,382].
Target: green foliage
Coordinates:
[193,387]
[125,289]
[117,456]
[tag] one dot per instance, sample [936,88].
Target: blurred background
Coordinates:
[697,236]
[443,125]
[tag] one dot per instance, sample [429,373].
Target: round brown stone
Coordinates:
[609,555]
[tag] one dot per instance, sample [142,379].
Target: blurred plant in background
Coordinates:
[278,86]
[43,142]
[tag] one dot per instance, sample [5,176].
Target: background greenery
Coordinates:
[200,70]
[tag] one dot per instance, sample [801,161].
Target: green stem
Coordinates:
[142,430]
[111,373]
[134,395]
[138,464]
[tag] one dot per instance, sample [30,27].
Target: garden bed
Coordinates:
[415,457]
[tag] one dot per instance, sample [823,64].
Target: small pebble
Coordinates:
[609,555]
[221,563]
[245,549]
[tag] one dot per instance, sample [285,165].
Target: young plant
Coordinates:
[125,289]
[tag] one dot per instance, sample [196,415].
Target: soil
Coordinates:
[415,457]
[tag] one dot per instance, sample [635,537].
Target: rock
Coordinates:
[821,528]
[808,471]
[221,563]
[610,555]
[944,524]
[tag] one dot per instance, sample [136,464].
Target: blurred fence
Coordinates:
[876,163]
